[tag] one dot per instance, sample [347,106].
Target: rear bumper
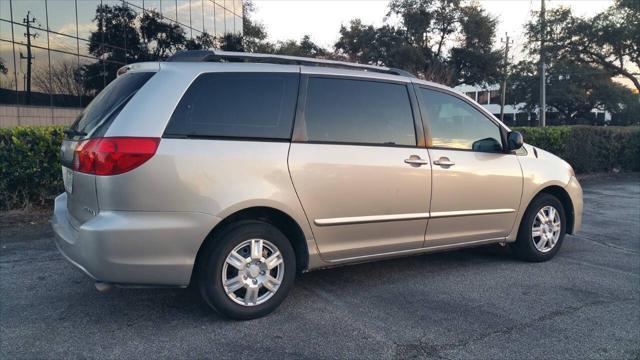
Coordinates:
[575,193]
[133,247]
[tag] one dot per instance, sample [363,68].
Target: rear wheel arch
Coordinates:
[563,196]
[285,223]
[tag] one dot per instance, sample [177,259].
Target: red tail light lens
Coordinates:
[113,155]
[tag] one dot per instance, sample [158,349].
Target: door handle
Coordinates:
[415,160]
[444,162]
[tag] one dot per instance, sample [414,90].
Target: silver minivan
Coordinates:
[233,172]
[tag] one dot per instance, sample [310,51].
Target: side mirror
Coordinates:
[514,140]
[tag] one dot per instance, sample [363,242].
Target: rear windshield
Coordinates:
[96,118]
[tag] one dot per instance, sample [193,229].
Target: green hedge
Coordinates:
[30,173]
[590,149]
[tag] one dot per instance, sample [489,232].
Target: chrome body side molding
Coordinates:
[444,214]
[403,217]
[369,219]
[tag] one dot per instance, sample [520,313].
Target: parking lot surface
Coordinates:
[478,303]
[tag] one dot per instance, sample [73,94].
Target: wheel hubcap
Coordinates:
[545,231]
[252,272]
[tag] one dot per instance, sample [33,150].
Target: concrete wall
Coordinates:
[11,115]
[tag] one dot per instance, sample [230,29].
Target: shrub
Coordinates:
[590,148]
[29,165]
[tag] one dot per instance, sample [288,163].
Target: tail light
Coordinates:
[113,155]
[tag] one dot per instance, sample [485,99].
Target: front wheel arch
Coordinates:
[563,196]
[525,246]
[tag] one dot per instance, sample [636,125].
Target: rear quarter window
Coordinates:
[237,105]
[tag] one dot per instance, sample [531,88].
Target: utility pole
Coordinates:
[543,100]
[503,84]
[28,21]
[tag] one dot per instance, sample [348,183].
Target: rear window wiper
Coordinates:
[74,132]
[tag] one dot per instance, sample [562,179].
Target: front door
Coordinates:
[476,186]
[362,180]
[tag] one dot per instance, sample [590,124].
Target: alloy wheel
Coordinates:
[546,228]
[252,272]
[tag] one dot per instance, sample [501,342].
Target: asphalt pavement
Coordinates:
[472,304]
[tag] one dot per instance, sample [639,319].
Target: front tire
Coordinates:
[542,229]
[247,271]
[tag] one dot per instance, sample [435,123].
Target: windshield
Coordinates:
[95,118]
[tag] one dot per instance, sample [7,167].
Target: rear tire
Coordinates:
[247,270]
[542,229]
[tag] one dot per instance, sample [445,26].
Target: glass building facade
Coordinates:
[44,43]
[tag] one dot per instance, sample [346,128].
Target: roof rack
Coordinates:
[230,56]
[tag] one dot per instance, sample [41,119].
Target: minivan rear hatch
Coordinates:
[93,122]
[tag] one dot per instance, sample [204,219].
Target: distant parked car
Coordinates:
[235,171]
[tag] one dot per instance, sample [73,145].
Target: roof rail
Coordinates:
[230,56]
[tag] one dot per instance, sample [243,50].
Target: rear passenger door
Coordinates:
[359,166]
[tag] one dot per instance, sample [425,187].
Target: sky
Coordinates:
[289,19]
[321,19]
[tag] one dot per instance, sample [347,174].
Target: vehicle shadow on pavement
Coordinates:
[165,303]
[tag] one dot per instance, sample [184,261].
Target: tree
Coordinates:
[389,46]
[305,47]
[587,53]
[474,60]
[445,41]
[3,67]
[358,42]
[63,78]
[200,42]
[254,35]
[116,27]
[6,82]
[609,40]
[160,37]
[428,23]
[573,90]
[628,114]
[132,38]
[232,42]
